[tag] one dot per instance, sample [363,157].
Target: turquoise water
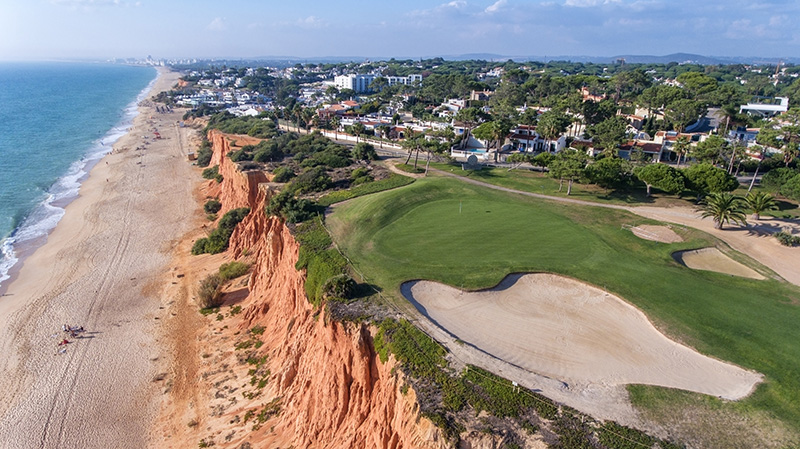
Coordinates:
[56,120]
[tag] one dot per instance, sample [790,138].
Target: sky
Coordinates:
[101,29]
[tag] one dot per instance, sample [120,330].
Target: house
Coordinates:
[584,146]
[653,151]
[766,107]
[747,135]
[471,147]
[480,95]
[524,138]
[589,95]
[634,121]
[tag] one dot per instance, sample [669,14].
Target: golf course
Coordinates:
[470,238]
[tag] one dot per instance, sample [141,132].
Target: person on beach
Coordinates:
[63,342]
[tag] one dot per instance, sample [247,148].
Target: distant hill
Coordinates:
[681,58]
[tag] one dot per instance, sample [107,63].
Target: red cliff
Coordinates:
[323,384]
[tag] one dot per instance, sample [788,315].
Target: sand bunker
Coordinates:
[663,234]
[573,332]
[712,259]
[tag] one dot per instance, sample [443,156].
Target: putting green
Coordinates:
[417,232]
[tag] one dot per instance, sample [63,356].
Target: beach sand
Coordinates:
[102,268]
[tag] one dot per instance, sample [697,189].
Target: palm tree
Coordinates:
[335,122]
[724,208]
[307,116]
[759,202]
[681,147]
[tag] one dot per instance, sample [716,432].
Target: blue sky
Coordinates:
[46,29]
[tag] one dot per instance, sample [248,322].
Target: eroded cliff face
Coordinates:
[325,387]
[238,188]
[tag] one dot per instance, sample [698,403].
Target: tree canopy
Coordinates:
[661,176]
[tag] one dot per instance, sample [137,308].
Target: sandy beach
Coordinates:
[102,268]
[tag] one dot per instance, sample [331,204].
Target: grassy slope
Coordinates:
[418,232]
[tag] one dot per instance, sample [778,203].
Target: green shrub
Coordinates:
[252,126]
[360,176]
[233,270]
[359,172]
[312,180]
[208,294]
[199,246]
[340,286]
[333,156]
[217,241]
[617,436]
[283,174]
[233,217]
[204,157]
[364,151]
[204,154]
[249,166]
[787,239]
[290,208]
[774,180]
[391,182]
[211,173]
[242,154]
[791,188]
[212,206]
[319,260]
[499,396]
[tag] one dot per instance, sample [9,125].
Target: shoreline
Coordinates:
[21,250]
[101,268]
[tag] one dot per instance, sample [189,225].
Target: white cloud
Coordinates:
[311,22]
[218,24]
[444,8]
[588,3]
[493,8]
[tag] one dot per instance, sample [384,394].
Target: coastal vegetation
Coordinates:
[217,240]
[326,269]
[212,173]
[233,270]
[209,295]
[204,153]
[212,206]
[226,122]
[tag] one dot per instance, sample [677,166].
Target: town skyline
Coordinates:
[100,29]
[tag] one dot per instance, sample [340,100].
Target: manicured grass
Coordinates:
[540,182]
[463,235]
[409,168]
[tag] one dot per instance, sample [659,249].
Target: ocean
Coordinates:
[56,121]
